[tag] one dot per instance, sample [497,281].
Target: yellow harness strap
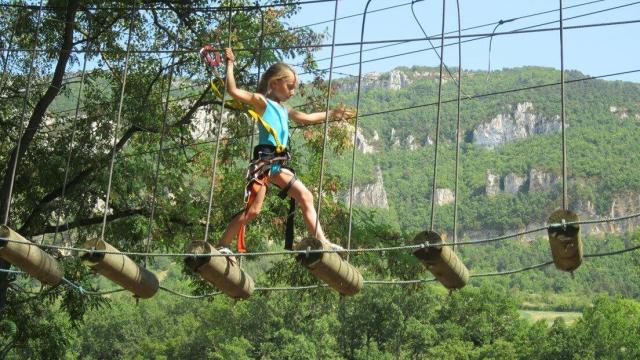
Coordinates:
[254,115]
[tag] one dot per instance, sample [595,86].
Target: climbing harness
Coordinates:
[265,156]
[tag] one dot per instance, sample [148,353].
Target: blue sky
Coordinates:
[593,51]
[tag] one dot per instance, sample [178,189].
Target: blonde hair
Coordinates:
[276,71]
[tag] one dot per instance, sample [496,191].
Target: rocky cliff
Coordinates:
[519,123]
[370,195]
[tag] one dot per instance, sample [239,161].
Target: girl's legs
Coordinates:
[303,198]
[243,218]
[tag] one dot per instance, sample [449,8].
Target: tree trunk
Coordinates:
[34,124]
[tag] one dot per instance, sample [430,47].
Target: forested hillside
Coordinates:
[128,152]
[510,167]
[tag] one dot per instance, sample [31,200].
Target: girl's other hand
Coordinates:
[229,56]
[343,113]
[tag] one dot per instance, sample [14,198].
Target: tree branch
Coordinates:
[77,180]
[41,107]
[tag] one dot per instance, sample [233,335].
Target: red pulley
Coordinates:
[211,56]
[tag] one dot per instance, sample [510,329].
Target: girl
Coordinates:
[276,86]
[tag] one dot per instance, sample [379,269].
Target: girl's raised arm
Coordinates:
[258,101]
[339,113]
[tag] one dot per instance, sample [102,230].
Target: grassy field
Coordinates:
[550,316]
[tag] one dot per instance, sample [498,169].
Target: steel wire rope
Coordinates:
[326,124]
[355,129]
[118,120]
[73,139]
[470,28]
[473,97]
[565,197]
[16,155]
[363,250]
[156,175]
[458,133]
[196,144]
[465,29]
[475,36]
[5,66]
[259,67]
[480,36]
[214,165]
[502,92]
[435,143]
[196,9]
[460,36]
[82,291]
[415,17]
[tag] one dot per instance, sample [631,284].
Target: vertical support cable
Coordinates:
[73,131]
[156,175]
[435,155]
[6,62]
[326,119]
[14,165]
[565,197]
[355,128]
[117,128]
[259,66]
[214,164]
[458,128]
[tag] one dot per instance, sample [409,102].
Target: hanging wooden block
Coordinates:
[330,267]
[566,246]
[27,256]
[225,274]
[120,269]
[441,261]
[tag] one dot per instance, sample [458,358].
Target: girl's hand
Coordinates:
[229,56]
[343,113]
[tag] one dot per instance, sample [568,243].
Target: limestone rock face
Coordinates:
[520,123]
[513,183]
[362,145]
[410,143]
[541,181]
[492,184]
[370,195]
[398,80]
[444,196]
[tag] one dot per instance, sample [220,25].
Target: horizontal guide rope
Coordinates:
[309,251]
[347,44]
[82,291]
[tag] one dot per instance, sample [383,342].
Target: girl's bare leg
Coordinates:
[303,198]
[243,218]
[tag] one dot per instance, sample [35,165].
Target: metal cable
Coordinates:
[195,9]
[259,66]
[5,66]
[474,37]
[473,97]
[73,138]
[465,29]
[117,128]
[415,17]
[458,137]
[82,291]
[156,176]
[355,129]
[14,164]
[565,197]
[218,136]
[435,143]
[326,123]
